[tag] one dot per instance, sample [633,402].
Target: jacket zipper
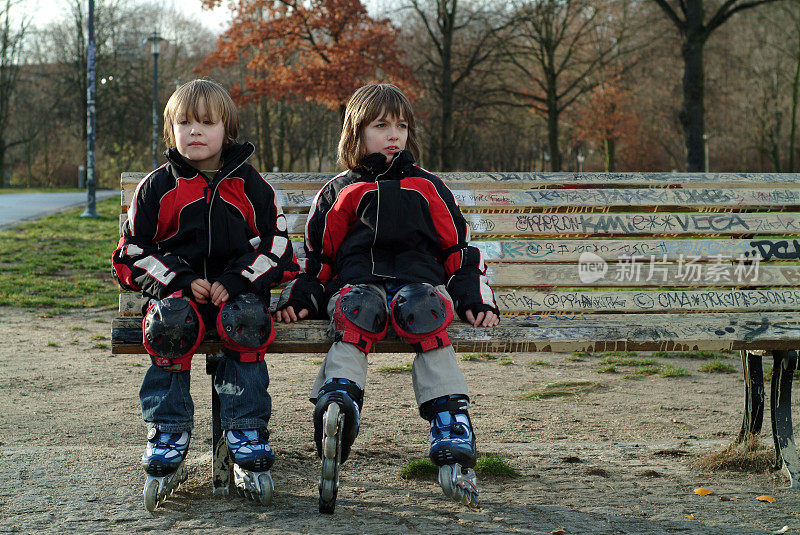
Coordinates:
[377,219]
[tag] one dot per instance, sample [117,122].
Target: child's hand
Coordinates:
[483,319]
[201,289]
[219,294]
[287,315]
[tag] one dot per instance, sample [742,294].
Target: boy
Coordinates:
[205,240]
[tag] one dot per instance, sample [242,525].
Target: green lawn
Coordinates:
[61,261]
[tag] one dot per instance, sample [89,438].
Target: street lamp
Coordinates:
[705,150]
[580,157]
[155,48]
[91,209]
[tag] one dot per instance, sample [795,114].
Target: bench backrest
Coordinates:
[630,243]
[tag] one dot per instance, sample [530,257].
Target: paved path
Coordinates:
[18,207]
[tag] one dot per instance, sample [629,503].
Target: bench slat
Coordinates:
[768,248]
[595,332]
[538,199]
[560,225]
[649,300]
[564,301]
[534,180]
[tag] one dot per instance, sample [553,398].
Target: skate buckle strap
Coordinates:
[454,405]
[350,388]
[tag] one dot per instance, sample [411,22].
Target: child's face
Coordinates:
[199,139]
[387,135]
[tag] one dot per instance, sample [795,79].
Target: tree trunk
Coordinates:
[793,123]
[266,156]
[446,155]
[609,154]
[692,114]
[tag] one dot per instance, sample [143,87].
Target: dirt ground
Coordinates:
[617,459]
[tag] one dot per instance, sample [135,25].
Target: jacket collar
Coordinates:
[375,166]
[233,156]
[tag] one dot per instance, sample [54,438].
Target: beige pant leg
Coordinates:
[435,373]
[344,360]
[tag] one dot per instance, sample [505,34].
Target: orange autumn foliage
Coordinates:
[314,50]
[608,120]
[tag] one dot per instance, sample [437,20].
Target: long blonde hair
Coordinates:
[368,103]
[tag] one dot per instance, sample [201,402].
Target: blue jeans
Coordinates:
[242,388]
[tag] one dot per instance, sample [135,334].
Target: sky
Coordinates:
[46,11]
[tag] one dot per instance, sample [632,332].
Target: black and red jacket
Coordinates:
[182,226]
[394,224]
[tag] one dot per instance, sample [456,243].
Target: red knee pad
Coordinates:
[245,325]
[359,317]
[420,316]
[172,329]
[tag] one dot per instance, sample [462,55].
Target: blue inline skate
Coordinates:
[453,447]
[163,462]
[336,419]
[252,458]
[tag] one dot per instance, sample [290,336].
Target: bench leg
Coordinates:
[220,455]
[783,368]
[753,395]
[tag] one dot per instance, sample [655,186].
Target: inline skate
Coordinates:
[453,447]
[336,419]
[252,457]
[163,462]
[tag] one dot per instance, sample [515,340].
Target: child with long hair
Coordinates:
[387,244]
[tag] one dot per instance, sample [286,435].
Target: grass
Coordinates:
[60,262]
[630,362]
[702,355]
[668,370]
[638,374]
[561,389]
[478,357]
[505,361]
[747,456]
[717,366]
[489,464]
[402,368]
[543,363]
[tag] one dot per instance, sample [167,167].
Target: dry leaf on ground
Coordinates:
[766,498]
[703,491]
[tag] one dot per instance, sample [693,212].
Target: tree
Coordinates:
[608,119]
[315,50]
[689,18]
[559,47]
[456,47]
[10,48]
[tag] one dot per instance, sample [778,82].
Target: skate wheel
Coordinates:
[330,419]
[151,494]
[446,480]
[329,447]
[267,488]
[327,491]
[329,469]
[326,507]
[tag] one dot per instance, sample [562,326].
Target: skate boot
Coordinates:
[163,462]
[453,447]
[252,458]
[336,419]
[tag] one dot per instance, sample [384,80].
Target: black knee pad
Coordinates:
[420,316]
[172,330]
[360,317]
[245,325]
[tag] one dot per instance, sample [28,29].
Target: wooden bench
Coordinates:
[597,261]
